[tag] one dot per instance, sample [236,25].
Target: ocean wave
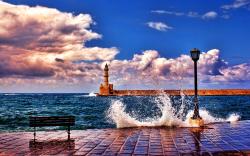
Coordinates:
[92,94]
[10,94]
[170,116]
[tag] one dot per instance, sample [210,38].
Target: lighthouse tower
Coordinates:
[106,75]
[105,87]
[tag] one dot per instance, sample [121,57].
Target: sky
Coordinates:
[63,45]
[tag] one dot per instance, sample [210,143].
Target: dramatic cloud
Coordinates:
[149,68]
[160,26]
[210,15]
[235,74]
[43,47]
[237,4]
[43,29]
[43,42]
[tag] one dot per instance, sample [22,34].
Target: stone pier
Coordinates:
[215,139]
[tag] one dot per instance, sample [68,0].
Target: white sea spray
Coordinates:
[170,116]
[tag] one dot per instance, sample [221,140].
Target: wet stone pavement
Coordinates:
[215,139]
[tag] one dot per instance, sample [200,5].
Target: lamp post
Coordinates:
[196,120]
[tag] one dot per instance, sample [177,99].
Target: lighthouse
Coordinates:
[106,75]
[105,87]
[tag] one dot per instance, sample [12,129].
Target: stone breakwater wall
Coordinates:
[202,92]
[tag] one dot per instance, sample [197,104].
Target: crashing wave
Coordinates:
[170,116]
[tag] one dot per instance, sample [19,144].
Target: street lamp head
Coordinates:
[195,54]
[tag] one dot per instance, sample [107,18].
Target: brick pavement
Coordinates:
[215,139]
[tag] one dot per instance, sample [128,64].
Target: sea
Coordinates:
[95,112]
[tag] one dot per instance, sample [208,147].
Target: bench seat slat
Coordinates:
[55,117]
[52,117]
[45,125]
[52,123]
[41,121]
[52,120]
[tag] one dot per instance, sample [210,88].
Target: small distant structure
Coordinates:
[106,88]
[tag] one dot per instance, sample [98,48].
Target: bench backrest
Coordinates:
[41,121]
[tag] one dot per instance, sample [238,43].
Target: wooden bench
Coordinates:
[44,121]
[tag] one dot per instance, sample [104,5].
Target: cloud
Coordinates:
[160,26]
[41,46]
[150,69]
[47,30]
[237,4]
[88,54]
[168,12]
[41,42]
[210,15]
[190,14]
[238,73]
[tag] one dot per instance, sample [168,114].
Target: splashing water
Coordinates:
[170,115]
[92,94]
[208,118]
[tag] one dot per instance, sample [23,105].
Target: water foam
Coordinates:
[170,116]
[92,94]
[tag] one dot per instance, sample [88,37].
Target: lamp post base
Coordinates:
[198,122]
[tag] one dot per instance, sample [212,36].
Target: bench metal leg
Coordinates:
[34,134]
[68,132]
